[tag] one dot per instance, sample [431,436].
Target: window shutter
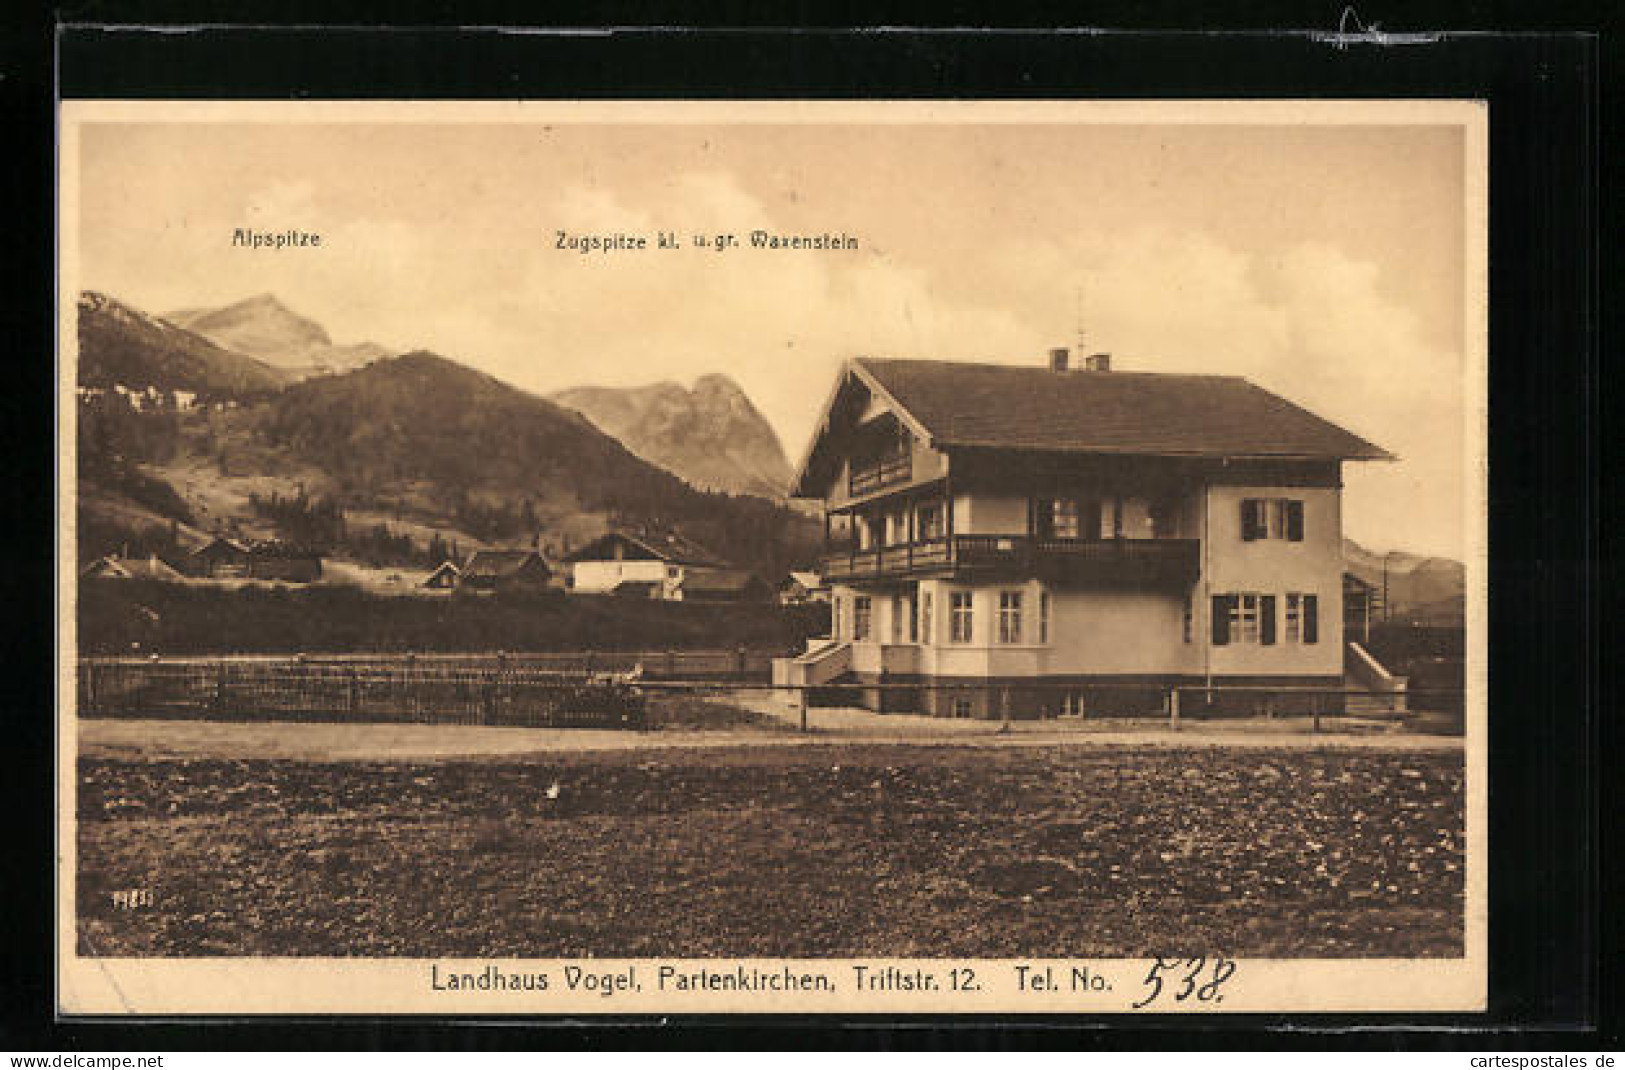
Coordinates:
[1311,618]
[1221,618]
[1294,521]
[1266,619]
[1249,529]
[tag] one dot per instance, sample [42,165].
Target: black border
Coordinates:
[1547,740]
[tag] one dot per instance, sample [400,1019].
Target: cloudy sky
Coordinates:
[1323,262]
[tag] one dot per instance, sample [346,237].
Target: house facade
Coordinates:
[1105,534]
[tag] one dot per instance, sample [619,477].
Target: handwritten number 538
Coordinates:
[1185,978]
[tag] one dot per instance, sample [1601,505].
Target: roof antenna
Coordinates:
[1078,308]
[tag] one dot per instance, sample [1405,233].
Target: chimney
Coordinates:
[1058,359]
[1098,362]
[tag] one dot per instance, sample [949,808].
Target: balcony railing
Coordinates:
[1090,560]
[884,473]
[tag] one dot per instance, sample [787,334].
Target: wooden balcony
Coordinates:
[885,473]
[1098,561]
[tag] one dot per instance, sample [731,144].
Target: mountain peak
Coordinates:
[710,434]
[717,383]
[263,326]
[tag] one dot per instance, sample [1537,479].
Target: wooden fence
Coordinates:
[754,666]
[422,692]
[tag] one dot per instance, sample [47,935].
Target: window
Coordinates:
[1062,514]
[837,607]
[1302,618]
[930,521]
[896,618]
[1071,704]
[964,707]
[926,623]
[1187,623]
[914,618]
[1043,616]
[1009,616]
[1271,518]
[860,617]
[960,618]
[1243,618]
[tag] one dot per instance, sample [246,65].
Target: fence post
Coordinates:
[1314,710]
[1004,709]
[802,693]
[1173,709]
[355,691]
[220,689]
[739,662]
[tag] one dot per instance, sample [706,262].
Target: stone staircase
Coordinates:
[824,660]
[1374,691]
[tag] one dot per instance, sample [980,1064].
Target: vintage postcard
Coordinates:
[856,558]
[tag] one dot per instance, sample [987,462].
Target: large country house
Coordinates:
[1099,532]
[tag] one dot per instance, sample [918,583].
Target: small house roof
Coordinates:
[221,541]
[809,580]
[666,546]
[144,568]
[500,563]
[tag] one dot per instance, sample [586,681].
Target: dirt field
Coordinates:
[833,850]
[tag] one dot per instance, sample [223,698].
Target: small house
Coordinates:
[799,588]
[505,570]
[151,567]
[220,558]
[609,561]
[445,577]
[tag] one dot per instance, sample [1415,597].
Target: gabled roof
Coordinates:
[500,563]
[445,568]
[809,580]
[125,568]
[221,540]
[668,546]
[1035,408]
[1032,408]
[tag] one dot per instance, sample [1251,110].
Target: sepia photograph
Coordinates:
[638,558]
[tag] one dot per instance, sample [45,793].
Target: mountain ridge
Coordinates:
[120,345]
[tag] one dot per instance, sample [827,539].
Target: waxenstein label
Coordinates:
[715,241]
